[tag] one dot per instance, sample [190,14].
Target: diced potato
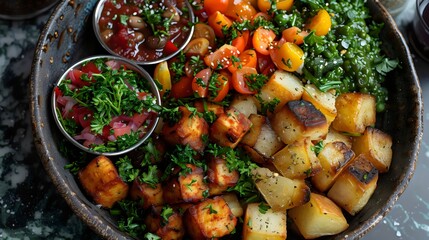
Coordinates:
[219,173]
[268,142]
[211,218]
[204,106]
[215,189]
[293,160]
[246,104]
[298,120]
[356,111]
[229,128]
[319,217]
[149,196]
[279,192]
[252,135]
[192,185]
[233,203]
[283,86]
[377,146]
[270,225]
[355,185]
[189,130]
[323,101]
[335,136]
[171,191]
[101,181]
[333,157]
[173,228]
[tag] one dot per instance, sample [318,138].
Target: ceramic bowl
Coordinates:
[68,36]
[97,15]
[130,66]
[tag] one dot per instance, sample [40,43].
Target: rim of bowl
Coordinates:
[97,14]
[130,65]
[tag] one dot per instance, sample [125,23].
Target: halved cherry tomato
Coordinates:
[240,42]
[221,58]
[241,11]
[287,56]
[182,88]
[260,15]
[321,23]
[262,39]
[211,6]
[219,21]
[239,80]
[162,75]
[197,46]
[222,86]
[248,58]
[265,5]
[200,83]
[294,35]
[205,31]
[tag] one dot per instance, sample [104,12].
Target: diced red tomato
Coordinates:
[117,132]
[140,118]
[83,116]
[182,88]
[170,48]
[200,83]
[75,77]
[58,91]
[90,67]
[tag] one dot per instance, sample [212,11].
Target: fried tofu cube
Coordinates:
[283,86]
[269,225]
[355,112]
[319,217]
[219,173]
[355,185]
[377,146]
[246,104]
[101,181]
[150,196]
[189,130]
[333,157]
[323,101]
[229,128]
[192,185]
[211,218]
[298,120]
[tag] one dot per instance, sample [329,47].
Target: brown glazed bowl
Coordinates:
[68,37]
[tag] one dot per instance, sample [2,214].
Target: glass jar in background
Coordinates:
[394,7]
[24,9]
[419,36]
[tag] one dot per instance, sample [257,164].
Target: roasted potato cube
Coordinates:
[252,135]
[219,173]
[268,142]
[215,189]
[192,185]
[319,217]
[293,160]
[171,191]
[204,106]
[283,86]
[335,136]
[355,112]
[101,181]
[298,120]
[279,192]
[323,101]
[233,203]
[211,218]
[333,157]
[170,228]
[377,146]
[246,104]
[229,128]
[189,130]
[270,225]
[150,196]
[355,185]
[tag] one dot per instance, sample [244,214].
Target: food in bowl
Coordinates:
[144,31]
[103,105]
[277,121]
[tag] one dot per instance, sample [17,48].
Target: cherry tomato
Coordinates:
[294,35]
[211,6]
[182,88]
[262,39]
[265,5]
[222,86]
[221,58]
[287,56]
[197,46]
[219,21]
[248,58]
[205,31]
[200,83]
[260,15]
[321,23]
[239,80]
[241,11]
[240,42]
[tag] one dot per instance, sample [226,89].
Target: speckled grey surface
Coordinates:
[30,208]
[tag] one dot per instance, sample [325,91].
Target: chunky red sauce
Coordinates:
[144,30]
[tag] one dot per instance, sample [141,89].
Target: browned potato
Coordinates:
[268,142]
[229,128]
[252,135]
[279,192]
[209,106]
[245,104]
[171,228]
[319,217]
[270,225]
[211,218]
[234,204]
[377,146]
[215,189]
[171,191]
[149,196]
[335,136]
[298,120]
[219,173]
[355,185]
[189,130]
[324,101]
[356,111]
[101,181]
[192,185]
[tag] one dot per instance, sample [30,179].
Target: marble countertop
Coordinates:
[30,207]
